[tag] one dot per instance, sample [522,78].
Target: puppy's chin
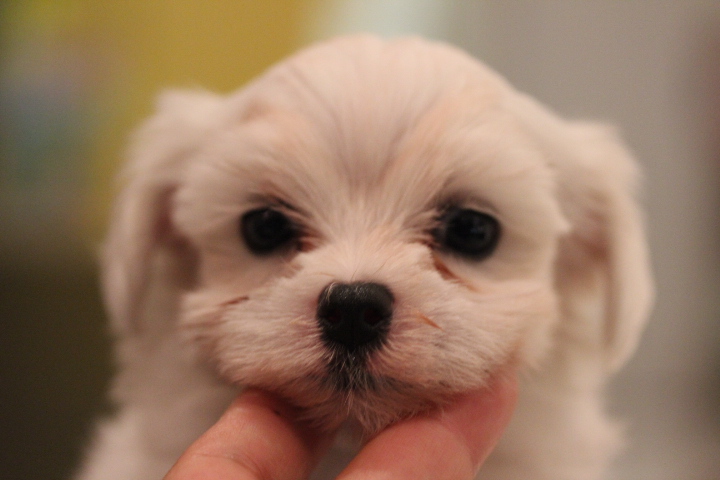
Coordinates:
[350,394]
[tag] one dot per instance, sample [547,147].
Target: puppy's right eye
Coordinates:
[266,230]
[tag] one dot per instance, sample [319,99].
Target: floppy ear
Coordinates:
[603,269]
[141,233]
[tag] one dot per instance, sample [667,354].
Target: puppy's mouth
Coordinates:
[349,385]
[348,373]
[349,393]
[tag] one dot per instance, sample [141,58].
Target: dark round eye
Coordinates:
[266,230]
[467,232]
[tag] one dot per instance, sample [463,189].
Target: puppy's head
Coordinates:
[372,226]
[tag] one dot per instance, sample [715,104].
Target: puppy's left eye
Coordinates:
[467,232]
[266,230]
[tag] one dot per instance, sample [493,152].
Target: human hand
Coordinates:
[258,439]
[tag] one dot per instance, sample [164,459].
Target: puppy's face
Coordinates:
[374,228]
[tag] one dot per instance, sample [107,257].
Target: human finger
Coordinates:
[448,444]
[258,438]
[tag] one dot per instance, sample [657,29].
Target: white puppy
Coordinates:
[367,229]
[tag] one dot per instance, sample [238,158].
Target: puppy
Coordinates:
[368,229]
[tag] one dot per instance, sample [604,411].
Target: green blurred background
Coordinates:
[76,76]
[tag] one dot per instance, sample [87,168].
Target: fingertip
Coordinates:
[449,443]
[255,431]
[255,399]
[290,416]
[479,418]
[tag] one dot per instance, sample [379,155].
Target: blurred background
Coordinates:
[76,75]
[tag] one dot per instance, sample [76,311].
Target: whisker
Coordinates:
[382,265]
[297,320]
[426,320]
[234,301]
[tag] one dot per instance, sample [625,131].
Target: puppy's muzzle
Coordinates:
[355,317]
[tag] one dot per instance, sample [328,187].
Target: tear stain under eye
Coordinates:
[308,242]
[447,274]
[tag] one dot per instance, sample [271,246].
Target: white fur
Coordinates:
[365,139]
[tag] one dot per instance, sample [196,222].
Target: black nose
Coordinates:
[355,316]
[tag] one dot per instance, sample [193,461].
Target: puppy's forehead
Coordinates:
[380,131]
[364,95]
[364,102]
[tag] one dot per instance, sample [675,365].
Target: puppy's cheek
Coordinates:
[534,320]
[201,317]
[260,339]
[538,333]
[467,335]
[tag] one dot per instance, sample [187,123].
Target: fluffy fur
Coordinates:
[362,141]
